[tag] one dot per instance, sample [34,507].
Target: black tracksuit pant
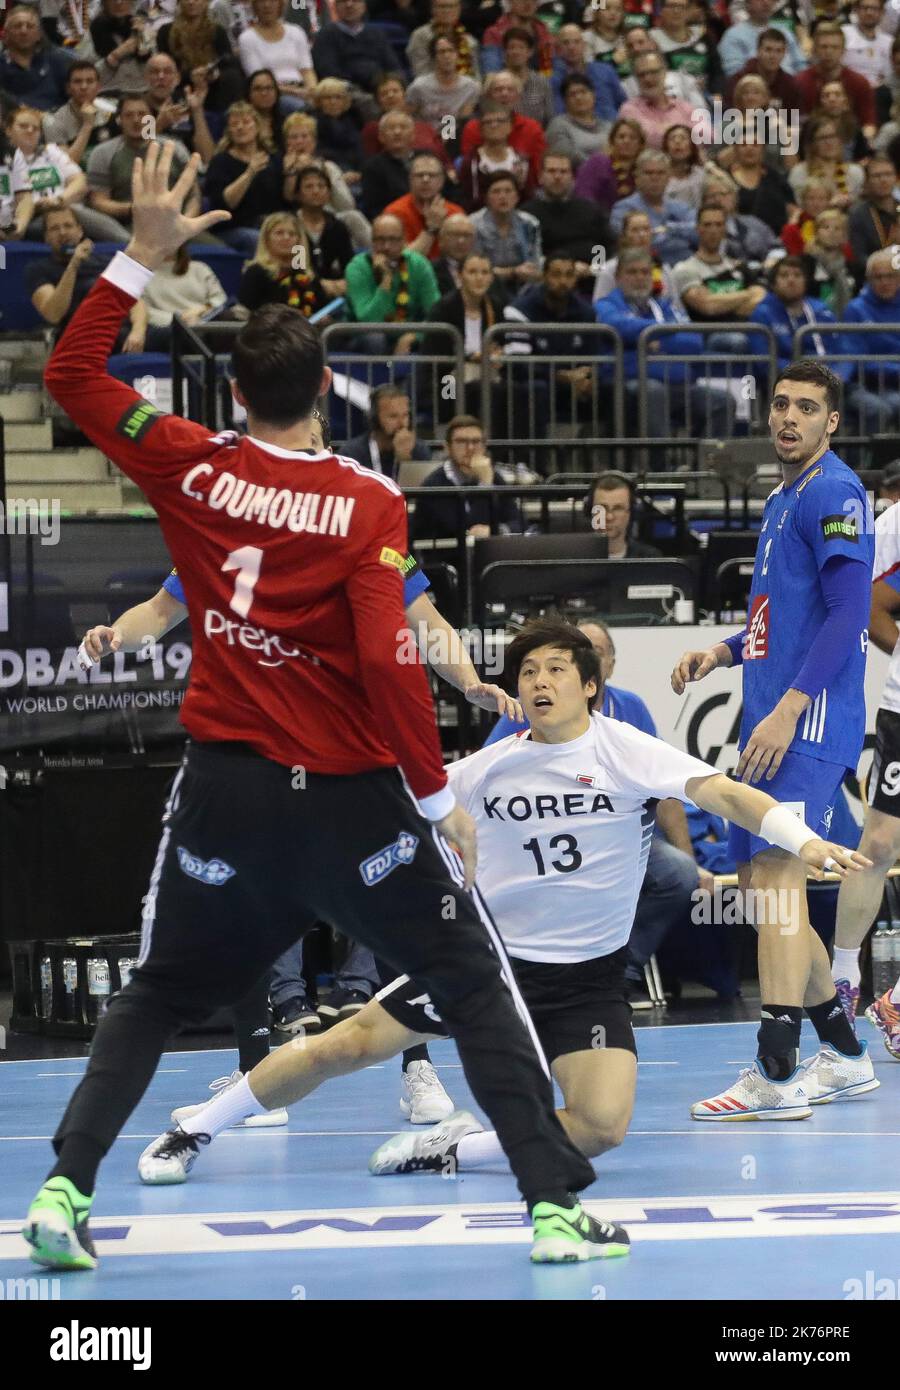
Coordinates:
[248,860]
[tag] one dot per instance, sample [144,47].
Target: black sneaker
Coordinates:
[296,1016]
[342,1003]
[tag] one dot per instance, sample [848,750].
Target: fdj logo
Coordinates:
[214,872]
[379,865]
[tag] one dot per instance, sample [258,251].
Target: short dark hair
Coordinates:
[278,361]
[772,36]
[516,32]
[126,97]
[554,256]
[815,373]
[79,64]
[435,40]
[498,176]
[790,263]
[384,77]
[314,171]
[462,422]
[552,631]
[575,79]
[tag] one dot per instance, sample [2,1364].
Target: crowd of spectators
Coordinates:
[627,163]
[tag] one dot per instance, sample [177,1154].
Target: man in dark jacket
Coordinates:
[554,301]
[389,441]
[469,468]
[570,226]
[354,50]
[874,221]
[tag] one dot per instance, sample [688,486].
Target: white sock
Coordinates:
[225,1110]
[845,965]
[475,1149]
[895,993]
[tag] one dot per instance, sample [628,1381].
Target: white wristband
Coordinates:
[781,827]
[85,660]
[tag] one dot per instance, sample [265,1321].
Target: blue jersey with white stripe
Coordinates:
[824,513]
[415,582]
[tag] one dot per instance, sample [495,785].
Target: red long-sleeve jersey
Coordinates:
[291,566]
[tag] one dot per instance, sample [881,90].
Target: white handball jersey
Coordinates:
[887,568]
[564,832]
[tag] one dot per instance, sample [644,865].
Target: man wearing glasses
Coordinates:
[653,108]
[389,284]
[423,210]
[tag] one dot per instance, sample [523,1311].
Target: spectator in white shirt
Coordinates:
[284,48]
[180,286]
[55,180]
[868,47]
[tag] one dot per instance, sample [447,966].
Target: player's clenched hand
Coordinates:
[495,699]
[693,666]
[822,856]
[767,745]
[159,226]
[459,829]
[98,641]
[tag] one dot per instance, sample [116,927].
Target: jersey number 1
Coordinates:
[246,561]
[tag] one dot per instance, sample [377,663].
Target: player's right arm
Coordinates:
[147,445]
[693,666]
[762,815]
[145,622]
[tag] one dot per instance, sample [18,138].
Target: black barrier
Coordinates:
[54,593]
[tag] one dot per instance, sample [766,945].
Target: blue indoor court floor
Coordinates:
[809,1209]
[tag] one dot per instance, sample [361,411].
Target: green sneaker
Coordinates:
[563,1235]
[57,1227]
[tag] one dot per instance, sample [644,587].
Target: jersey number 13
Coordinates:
[570,854]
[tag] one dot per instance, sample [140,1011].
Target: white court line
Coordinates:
[734,1129]
[160,1071]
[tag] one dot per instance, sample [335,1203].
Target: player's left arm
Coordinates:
[837,526]
[145,444]
[444,650]
[762,815]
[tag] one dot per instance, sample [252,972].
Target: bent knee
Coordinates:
[599,1133]
[882,848]
[346,1046]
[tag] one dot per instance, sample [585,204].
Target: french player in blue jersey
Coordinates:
[423,1100]
[803,658]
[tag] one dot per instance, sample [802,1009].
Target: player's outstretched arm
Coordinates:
[693,666]
[761,814]
[445,652]
[145,622]
[159,226]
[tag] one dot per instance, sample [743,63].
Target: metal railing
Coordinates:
[435,381]
[867,406]
[525,390]
[723,386]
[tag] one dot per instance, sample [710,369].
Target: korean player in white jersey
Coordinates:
[803,660]
[564,814]
[858,905]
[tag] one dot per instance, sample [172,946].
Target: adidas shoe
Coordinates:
[56,1227]
[431,1152]
[849,997]
[269,1119]
[566,1235]
[170,1158]
[754,1096]
[423,1099]
[296,1016]
[834,1076]
[886,1017]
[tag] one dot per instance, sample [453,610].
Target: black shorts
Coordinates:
[884,779]
[575,1007]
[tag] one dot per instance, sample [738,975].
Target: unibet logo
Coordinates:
[136,421]
[835,528]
